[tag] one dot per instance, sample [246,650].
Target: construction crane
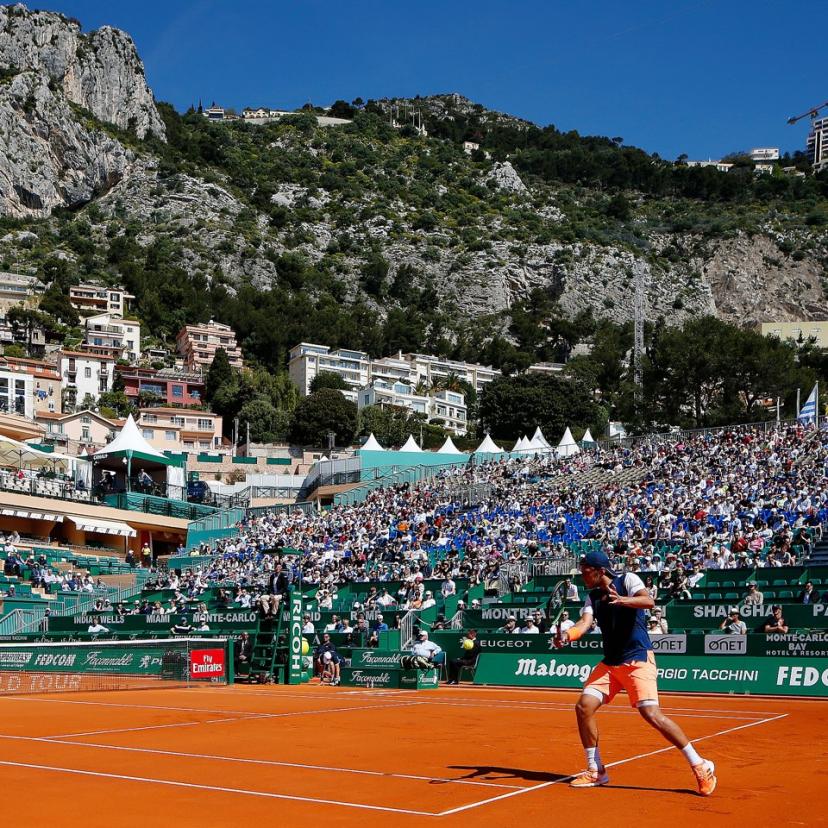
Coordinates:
[813,112]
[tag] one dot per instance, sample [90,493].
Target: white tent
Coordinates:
[522,444]
[587,438]
[131,443]
[448,448]
[538,445]
[371,444]
[410,444]
[538,438]
[567,447]
[488,446]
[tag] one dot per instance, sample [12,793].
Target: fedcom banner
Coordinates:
[713,674]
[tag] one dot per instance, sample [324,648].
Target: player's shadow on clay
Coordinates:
[645,788]
[492,772]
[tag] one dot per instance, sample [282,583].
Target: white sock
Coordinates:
[690,755]
[593,757]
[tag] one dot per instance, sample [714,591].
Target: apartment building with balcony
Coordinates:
[83,373]
[432,370]
[307,360]
[172,386]
[46,385]
[109,332]
[16,392]
[77,433]
[177,429]
[197,346]
[449,407]
[91,298]
[18,289]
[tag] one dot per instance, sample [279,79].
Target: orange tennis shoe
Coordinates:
[590,778]
[706,777]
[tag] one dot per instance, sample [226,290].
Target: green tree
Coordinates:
[267,423]
[316,415]
[328,379]
[512,406]
[219,373]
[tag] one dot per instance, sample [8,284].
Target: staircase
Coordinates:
[819,557]
[269,642]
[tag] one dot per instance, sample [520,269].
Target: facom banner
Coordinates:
[712,674]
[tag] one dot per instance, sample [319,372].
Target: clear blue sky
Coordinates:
[704,77]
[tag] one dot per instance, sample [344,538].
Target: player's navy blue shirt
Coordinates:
[623,629]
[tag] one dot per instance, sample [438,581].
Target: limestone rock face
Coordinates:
[49,158]
[100,71]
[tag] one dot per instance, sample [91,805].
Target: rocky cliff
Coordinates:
[53,77]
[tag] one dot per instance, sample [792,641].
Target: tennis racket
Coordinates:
[555,605]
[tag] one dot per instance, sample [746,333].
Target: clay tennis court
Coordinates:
[341,756]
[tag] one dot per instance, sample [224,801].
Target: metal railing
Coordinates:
[407,629]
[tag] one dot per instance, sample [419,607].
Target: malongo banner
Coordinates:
[719,674]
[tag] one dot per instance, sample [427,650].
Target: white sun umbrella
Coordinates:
[371,444]
[567,447]
[488,446]
[538,437]
[448,448]
[410,444]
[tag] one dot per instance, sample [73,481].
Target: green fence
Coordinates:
[212,527]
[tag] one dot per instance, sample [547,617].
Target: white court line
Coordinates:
[269,762]
[478,689]
[609,765]
[236,719]
[217,788]
[623,711]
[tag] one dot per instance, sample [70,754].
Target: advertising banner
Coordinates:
[369,677]
[207,664]
[294,665]
[711,674]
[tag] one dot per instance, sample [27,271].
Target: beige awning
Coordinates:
[102,527]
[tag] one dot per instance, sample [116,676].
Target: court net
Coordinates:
[113,665]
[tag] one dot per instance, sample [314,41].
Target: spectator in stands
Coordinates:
[146,555]
[183,627]
[733,624]
[244,599]
[448,587]
[334,625]
[808,595]
[346,627]
[428,601]
[373,640]
[776,623]
[571,590]
[540,621]
[510,627]
[529,626]
[565,622]
[144,481]
[96,627]
[657,623]
[468,658]
[651,587]
[386,600]
[380,625]
[307,625]
[326,658]
[753,596]
[696,577]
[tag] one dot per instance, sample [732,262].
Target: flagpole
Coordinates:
[816,412]
[796,416]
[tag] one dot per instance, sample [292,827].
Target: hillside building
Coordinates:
[90,298]
[800,331]
[46,385]
[817,145]
[110,333]
[83,373]
[197,346]
[173,387]
[176,429]
[77,433]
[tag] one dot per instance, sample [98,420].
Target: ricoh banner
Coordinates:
[701,674]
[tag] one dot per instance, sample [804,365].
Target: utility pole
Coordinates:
[638,336]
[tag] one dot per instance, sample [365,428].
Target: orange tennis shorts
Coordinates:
[638,678]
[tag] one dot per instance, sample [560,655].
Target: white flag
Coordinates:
[808,412]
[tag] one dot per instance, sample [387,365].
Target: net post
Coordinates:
[231,664]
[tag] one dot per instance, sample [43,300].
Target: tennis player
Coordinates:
[617,604]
